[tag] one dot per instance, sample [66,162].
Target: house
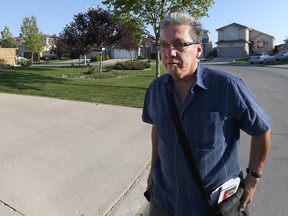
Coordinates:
[235,40]
[279,47]
[122,54]
[48,43]
[148,46]
[146,49]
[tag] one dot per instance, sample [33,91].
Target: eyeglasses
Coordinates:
[176,45]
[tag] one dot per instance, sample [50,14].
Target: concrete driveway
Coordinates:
[65,158]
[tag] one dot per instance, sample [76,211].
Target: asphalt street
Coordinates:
[269,85]
[66,158]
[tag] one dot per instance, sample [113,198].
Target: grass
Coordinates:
[126,88]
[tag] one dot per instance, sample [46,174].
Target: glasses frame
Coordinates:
[176,45]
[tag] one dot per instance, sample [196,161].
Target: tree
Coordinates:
[59,47]
[31,36]
[96,29]
[152,11]
[134,31]
[7,40]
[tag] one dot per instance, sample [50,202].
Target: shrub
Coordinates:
[64,58]
[3,64]
[141,57]
[25,62]
[92,59]
[91,70]
[107,57]
[2,61]
[109,68]
[95,58]
[131,65]
[153,56]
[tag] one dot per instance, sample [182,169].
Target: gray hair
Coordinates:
[184,19]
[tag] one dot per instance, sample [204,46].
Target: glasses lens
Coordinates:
[178,45]
[163,45]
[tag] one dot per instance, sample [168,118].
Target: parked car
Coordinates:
[19,58]
[261,57]
[282,55]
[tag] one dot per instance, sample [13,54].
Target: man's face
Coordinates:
[179,62]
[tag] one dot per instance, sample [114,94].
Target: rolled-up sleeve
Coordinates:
[145,112]
[253,120]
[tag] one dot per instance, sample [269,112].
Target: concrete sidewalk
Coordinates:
[65,158]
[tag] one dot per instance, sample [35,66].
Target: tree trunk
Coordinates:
[100,65]
[157,36]
[32,58]
[158,71]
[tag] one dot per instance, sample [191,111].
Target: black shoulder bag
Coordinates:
[228,207]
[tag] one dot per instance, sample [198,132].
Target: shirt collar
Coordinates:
[201,79]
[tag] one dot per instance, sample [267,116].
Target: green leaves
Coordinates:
[151,12]
[31,36]
[7,40]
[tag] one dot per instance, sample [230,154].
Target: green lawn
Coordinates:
[126,90]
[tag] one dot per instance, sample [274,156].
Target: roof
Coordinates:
[242,26]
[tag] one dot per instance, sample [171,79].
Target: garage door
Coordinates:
[228,52]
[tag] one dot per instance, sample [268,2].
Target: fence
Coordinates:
[9,55]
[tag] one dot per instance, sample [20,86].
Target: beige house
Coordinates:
[236,40]
[9,55]
[48,44]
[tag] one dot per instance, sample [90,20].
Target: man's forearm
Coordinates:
[154,141]
[260,146]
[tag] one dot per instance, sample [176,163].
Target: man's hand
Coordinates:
[251,184]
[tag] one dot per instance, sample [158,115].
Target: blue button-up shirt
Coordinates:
[214,111]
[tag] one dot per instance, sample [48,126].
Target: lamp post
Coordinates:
[101,53]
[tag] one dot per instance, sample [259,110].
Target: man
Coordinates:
[213,106]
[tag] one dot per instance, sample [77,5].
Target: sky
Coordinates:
[52,16]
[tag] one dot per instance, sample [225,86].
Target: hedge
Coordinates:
[131,65]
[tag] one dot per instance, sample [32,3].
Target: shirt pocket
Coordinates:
[207,130]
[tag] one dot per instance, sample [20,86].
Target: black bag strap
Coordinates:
[187,151]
